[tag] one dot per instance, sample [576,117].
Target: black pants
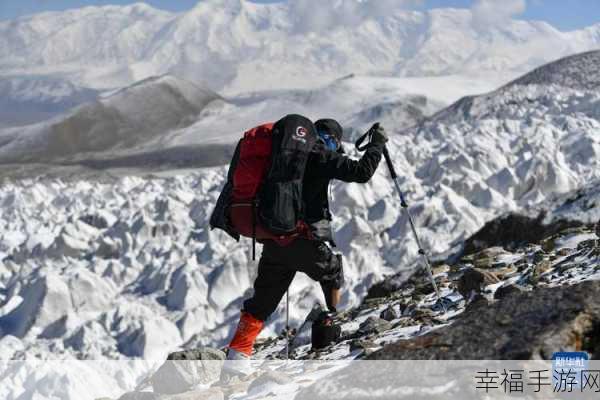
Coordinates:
[278,266]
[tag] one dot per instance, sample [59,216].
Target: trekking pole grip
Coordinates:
[388,160]
[361,139]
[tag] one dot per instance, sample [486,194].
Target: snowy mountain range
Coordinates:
[237,46]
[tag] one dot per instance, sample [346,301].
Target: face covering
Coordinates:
[330,141]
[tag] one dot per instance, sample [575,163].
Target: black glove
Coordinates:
[378,135]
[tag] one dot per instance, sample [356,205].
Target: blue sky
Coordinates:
[564,14]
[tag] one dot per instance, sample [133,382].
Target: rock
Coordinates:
[565,251]
[490,253]
[587,244]
[186,369]
[424,288]
[423,314]
[475,280]
[203,353]
[539,256]
[521,264]
[372,303]
[543,266]
[276,377]
[548,245]
[374,325]
[522,325]
[564,267]
[504,291]
[362,344]
[408,309]
[389,314]
[477,301]
[440,269]
[538,270]
[575,230]
[505,272]
[513,230]
[598,229]
[384,288]
[483,262]
[140,396]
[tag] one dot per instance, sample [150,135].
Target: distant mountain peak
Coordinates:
[240,46]
[579,72]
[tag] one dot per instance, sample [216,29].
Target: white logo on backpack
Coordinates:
[300,134]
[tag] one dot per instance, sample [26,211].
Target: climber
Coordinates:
[314,256]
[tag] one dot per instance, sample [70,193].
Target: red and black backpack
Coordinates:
[262,198]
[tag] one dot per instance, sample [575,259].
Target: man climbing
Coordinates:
[313,256]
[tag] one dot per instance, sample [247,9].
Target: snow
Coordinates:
[571,241]
[68,379]
[243,46]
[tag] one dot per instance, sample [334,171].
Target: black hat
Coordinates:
[331,126]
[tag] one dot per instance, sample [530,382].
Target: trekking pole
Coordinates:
[287,325]
[404,206]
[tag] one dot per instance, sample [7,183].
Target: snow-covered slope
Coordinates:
[163,123]
[129,119]
[129,268]
[398,312]
[579,73]
[242,46]
[504,150]
[29,99]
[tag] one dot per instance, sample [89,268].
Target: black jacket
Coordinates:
[323,166]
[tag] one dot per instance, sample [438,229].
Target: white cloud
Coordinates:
[319,15]
[490,13]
